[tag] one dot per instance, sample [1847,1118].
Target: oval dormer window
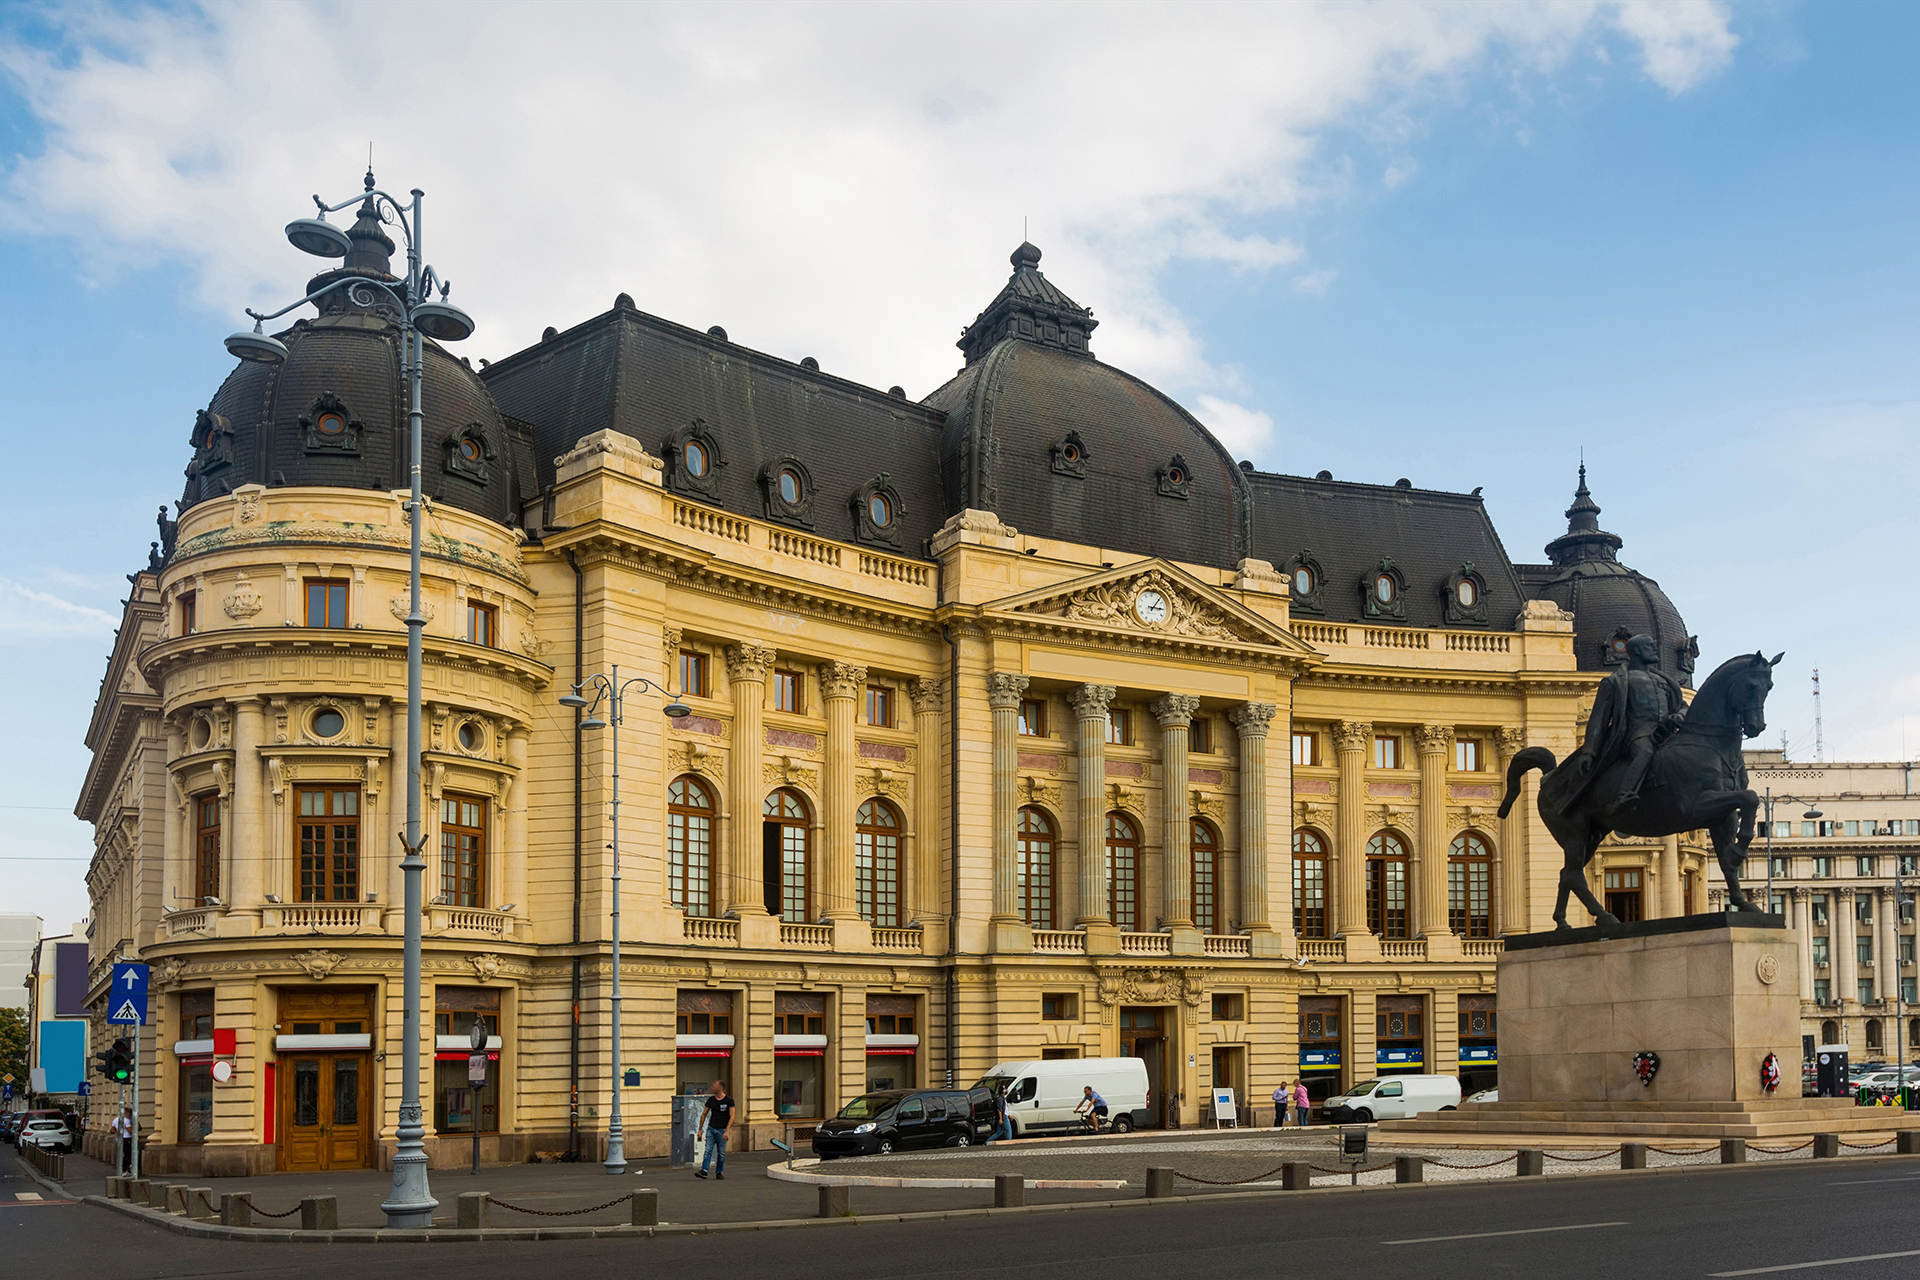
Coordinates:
[470,449]
[696,456]
[1070,452]
[1383,588]
[1303,582]
[790,487]
[880,511]
[329,723]
[330,424]
[1467,593]
[1176,476]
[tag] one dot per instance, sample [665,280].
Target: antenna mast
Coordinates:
[1819,734]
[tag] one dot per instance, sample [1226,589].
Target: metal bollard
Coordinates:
[1296,1176]
[471,1215]
[200,1204]
[1159,1183]
[320,1213]
[1907,1142]
[1826,1146]
[1533,1163]
[1009,1190]
[1409,1169]
[646,1208]
[836,1202]
[1733,1151]
[236,1209]
[1633,1155]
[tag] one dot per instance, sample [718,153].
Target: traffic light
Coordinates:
[119,1064]
[103,1062]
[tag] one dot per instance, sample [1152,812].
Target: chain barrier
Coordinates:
[1866,1146]
[262,1213]
[1780,1151]
[1604,1155]
[1683,1151]
[207,1200]
[560,1213]
[1448,1164]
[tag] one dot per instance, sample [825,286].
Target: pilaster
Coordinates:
[738,875]
[1510,913]
[1010,932]
[1351,739]
[1431,743]
[1089,703]
[923,877]
[1251,720]
[1175,714]
[841,684]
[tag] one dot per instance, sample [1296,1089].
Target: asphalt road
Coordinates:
[1843,1219]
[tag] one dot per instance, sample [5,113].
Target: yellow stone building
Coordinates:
[1024,723]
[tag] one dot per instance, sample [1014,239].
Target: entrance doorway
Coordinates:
[325,1112]
[1141,1037]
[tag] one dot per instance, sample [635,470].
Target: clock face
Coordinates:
[1150,607]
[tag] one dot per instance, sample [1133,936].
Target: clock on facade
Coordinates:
[1150,607]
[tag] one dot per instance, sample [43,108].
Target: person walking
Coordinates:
[1282,1100]
[1002,1122]
[714,1119]
[1303,1106]
[123,1130]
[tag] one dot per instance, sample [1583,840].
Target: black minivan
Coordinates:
[902,1119]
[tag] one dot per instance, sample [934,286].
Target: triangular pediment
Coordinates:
[1152,598]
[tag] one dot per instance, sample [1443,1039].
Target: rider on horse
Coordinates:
[1635,709]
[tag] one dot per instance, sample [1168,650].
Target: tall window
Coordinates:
[206,864]
[1123,860]
[1470,887]
[189,612]
[329,839]
[1035,837]
[463,850]
[1387,886]
[1386,752]
[693,673]
[1206,860]
[785,848]
[690,846]
[876,864]
[880,706]
[786,691]
[1033,718]
[326,602]
[1119,727]
[1309,885]
[1466,755]
[1623,895]
[480,625]
[1306,748]
[1200,736]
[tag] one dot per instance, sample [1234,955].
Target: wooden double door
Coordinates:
[326,1109]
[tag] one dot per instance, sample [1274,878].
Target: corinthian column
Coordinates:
[841,684]
[1175,713]
[1841,930]
[738,874]
[1251,720]
[1003,695]
[1510,911]
[923,876]
[1430,743]
[1802,900]
[1090,714]
[247,841]
[1351,738]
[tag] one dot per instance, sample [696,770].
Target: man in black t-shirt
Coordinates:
[713,1127]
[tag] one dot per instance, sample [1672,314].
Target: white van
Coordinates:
[1041,1096]
[1394,1098]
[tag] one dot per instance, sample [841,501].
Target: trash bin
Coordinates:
[1830,1071]
[686,1123]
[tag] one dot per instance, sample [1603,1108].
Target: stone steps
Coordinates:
[1762,1119]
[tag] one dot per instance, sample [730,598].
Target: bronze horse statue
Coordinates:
[1697,780]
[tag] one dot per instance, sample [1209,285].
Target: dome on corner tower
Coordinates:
[1060,445]
[334,412]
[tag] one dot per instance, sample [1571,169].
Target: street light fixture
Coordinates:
[1769,801]
[612,690]
[410,1203]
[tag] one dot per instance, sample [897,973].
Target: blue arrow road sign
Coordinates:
[127,1001]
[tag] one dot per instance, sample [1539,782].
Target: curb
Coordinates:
[803,1171]
[439,1235]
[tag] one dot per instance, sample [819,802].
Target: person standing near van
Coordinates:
[1303,1105]
[1002,1122]
[713,1127]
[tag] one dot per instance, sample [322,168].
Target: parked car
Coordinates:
[21,1119]
[1393,1098]
[899,1120]
[1485,1095]
[1041,1096]
[47,1135]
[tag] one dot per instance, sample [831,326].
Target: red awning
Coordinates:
[891,1051]
[703,1053]
[805,1052]
[461,1055]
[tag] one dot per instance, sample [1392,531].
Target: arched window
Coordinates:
[1387,886]
[1206,860]
[690,846]
[1470,887]
[1309,885]
[1123,863]
[1035,854]
[876,864]
[1830,1032]
[785,836]
[1873,1034]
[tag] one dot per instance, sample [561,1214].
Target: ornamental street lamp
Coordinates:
[410,1203]
[1810,815]
[611,690]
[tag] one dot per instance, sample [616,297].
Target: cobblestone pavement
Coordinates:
[1249,1161]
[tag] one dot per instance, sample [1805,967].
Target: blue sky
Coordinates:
[1456,243]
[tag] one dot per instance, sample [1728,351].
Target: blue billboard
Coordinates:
[63,1055]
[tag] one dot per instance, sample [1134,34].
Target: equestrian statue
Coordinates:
[1653,766]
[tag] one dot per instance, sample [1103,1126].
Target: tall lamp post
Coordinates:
[410,1203]
[1769,800]
[612,690]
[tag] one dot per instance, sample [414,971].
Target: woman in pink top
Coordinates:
[1300,1102]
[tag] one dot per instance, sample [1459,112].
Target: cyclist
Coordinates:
[1092,1107]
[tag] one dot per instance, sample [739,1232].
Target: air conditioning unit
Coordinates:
[1866,964]
[1820,964]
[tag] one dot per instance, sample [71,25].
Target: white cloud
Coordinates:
[1315,282]
[843,181]
[39,615]
[1245,432]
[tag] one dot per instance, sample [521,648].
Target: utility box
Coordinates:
[686,1123]
[1830,1071]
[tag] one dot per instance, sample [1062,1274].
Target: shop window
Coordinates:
[1229,1007]
[463,850]
[699,1063]
[889,1024]
[326,602]
[1204,846]
[799,1070]
[196,1075]
[1623,895]
[1470,887]
[1387,886]
[799,1024]
[1033,718]
[1306,749]
[1399,1024]
[876,864]
[1479,1017]
[892,1057]
[1309,885]
[1123,856]
[880,706]
[690,846]
[1034,837]
[482,624]
[704,1024]
[1386,752]
[459,1104]
[786,839]
[786,691]
[328,836]
[1060,1006]
[693,674]
[206,860]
